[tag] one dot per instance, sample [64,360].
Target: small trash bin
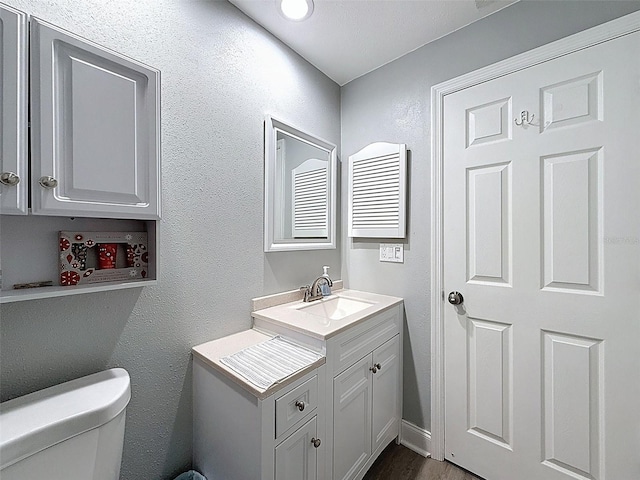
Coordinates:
[190,475]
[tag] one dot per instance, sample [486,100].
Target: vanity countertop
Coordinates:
[211,352]
[293,315]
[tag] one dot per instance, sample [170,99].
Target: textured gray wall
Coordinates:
[393,104]
[221,74]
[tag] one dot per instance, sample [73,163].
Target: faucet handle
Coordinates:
[306,289]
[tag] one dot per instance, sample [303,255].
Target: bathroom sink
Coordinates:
[335,307]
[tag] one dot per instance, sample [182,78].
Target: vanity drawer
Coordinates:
[288,413]
[351,346]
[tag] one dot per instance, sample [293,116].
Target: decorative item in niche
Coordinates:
[377,191]
[96,257]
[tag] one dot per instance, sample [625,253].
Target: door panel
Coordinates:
[385,392]
[296,457]
[94,129]
[13,110]
[352,419]
[541,236]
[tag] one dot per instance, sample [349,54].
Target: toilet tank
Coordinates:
[71,431]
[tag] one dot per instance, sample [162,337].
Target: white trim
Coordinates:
[579,41]
[415,438]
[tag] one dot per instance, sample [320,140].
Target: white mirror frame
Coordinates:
[271,128]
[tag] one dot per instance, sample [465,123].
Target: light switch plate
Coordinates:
[392,252]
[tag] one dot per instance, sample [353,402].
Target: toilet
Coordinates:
[71,431]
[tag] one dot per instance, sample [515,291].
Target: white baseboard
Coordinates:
[415,438]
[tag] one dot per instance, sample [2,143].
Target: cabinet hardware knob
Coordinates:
[455,298]
[378,366]
[316,442]
[300,405]
[48,182]
[9,178]
[374,369]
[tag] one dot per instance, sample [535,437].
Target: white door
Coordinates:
[352,419]
[542,239]
[14,176]
[297,457]
[95,129]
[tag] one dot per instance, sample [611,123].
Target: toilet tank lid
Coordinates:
[31,423]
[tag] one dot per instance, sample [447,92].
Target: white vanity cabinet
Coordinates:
[365,409]
[363,392]
[88,159]
[243,433]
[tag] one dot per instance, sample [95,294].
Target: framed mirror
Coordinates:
[300,189]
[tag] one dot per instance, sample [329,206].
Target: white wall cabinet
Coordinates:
[94,149]
[94,129]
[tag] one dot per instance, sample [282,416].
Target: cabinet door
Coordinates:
[14,181]
[352,419]
[95,129]
[296,457]
[386,398]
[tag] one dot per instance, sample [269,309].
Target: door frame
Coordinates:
[608,31]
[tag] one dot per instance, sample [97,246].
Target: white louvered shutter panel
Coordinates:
[377,191]
[310,202]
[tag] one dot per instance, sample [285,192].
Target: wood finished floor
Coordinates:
[400,463]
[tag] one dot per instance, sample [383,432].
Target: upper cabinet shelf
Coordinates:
[95,126]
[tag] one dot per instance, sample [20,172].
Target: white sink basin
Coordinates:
[335,307]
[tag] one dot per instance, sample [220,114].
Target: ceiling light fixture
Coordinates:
[297,10]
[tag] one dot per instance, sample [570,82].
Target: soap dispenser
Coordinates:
[325,288]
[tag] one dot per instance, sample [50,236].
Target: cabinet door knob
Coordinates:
[374,369]
[316,442]
[9,178]
[300,405]
[378,366]
[48,182]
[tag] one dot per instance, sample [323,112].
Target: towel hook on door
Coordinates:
[525,118]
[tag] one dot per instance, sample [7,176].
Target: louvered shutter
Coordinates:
[377,191]
[310,199]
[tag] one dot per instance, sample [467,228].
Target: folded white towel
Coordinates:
[270,362]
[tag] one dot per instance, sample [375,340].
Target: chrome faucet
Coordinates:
[313,292]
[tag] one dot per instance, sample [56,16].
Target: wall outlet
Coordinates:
[392,252]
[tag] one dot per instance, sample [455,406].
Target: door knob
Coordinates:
[300,405]
[316,442]
[9,178]
[455,298]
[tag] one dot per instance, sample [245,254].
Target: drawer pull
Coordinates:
[316,442]
[300,405]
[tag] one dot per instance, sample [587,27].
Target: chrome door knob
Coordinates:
[316,442]
[378,366]
[300,405]
[455,298]
[48,182]
[374,369]
[9,178]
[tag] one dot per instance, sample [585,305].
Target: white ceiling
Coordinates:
[348,38]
